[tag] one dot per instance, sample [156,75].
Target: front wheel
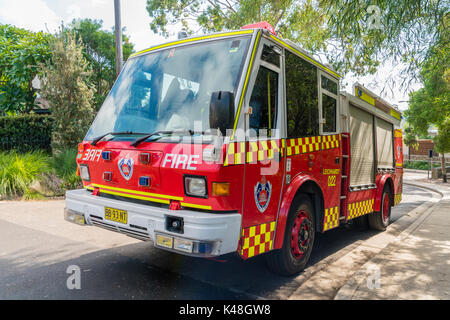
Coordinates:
[298,239]
[380,220]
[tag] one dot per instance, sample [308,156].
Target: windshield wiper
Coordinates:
[96,140]
[142,139]
[138,141]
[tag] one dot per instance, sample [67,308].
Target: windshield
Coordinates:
[170,89]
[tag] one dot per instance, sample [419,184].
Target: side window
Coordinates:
[329,89]
[329,113]
[264,103]
[301,97]
[270,55]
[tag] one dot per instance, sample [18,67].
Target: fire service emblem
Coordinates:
[263,191]
[126,167]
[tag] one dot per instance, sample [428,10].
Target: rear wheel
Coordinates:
[380,220]
[298,239]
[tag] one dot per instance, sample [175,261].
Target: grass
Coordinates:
[18,171]
[63,162]
[419,165]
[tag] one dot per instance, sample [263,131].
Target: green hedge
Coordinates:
[26,132]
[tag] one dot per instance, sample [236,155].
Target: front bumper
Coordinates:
[214,234]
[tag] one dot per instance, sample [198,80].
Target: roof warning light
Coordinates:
[261,25]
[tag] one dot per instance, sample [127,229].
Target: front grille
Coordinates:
[131,233]
[137,201]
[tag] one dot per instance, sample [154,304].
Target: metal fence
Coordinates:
[25,143]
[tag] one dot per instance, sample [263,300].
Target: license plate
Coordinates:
[116,215]
[164,241]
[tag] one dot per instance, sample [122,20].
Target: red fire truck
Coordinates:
[237,142]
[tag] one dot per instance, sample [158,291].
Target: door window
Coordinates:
[301,97]
[264,103]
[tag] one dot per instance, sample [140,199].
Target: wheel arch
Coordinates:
[384,180]
[305,184]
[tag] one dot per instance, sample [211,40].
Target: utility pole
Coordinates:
[118,29]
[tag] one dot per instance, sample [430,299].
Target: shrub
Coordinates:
[26,132]
[64,162]
[18,171]
[419,165]
[65,166]
[67,88]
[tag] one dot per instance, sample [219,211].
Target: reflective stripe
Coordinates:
[257,151]
[135,196]
[397,198]
[140,192]
[198,206]
[357,209]
[213,36]
[331,218]
[244,88]
[121,192]
[257,239]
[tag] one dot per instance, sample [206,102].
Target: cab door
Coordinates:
[331,158]
[264,168]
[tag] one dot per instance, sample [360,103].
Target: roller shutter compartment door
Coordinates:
[385,147]
[362,147]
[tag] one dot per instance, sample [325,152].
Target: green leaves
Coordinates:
[67,86]
[430,105]
[354,36]
[21,51]
[99,51]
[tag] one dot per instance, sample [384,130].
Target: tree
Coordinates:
[300,21]
[66,85]
[410,139]
[371,31]
[99,50]
[430,105]
[21,51]
[354,36]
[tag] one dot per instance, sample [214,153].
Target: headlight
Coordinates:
[84,172]
[195,186]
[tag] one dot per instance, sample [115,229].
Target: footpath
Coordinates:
[414,266]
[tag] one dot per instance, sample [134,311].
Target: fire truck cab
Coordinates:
[236,142]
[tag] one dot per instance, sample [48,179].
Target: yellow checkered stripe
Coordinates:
[331,218]
[257,239]
[256,151]
[331,141]
[311,144]
[398,133]
[264,150]
[357,209]
[235,154]
[296,146]
[397,198]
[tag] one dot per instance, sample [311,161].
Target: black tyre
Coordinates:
[298,239]
[380,220]
[361,223]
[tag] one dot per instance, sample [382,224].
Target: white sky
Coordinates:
[47,15]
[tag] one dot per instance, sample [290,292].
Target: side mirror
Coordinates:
[221,111]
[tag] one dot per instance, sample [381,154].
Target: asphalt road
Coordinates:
[38,246]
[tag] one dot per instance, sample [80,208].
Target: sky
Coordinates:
[47,15]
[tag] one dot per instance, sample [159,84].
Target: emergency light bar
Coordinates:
[261,25]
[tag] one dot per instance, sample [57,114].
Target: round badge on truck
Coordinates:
[263,192]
